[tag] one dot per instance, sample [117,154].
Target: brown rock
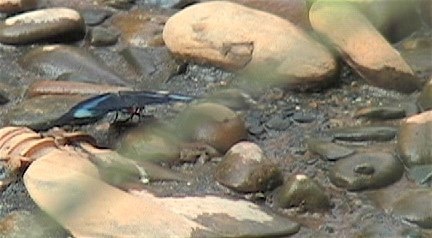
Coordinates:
[415,140]
[245,168]
[362,46]
[244,38]
[140,28]
[13,6]
[213,124]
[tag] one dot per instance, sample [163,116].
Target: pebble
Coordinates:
[415,207]
[278,122]
[55,60]
[140,28]
[51,24]
[155,64]
[14,6]
[302,191]
[301,117]
[245,168]
[328,150]
[367,51]
[365,133]
[380,113]
[366,171]
[254,41]
[101,36]
[415,138]
[213,124]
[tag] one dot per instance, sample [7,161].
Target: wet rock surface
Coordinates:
[366,171]
[349,117]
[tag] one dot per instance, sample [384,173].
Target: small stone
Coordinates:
[367,51]
[278,122]
[263,45]
[415,206]
[328,150]
[101,36]
[246,169]
[55,60]
[303,117]
[380,113]
[52,24]
[155,64]
[302,191]
[366,171]
[14,6]
[140,28]
[365,133]
[94,17]
[414,144]
[213,124]
[119,4]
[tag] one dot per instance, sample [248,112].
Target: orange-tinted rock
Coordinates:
[13,6]
[362,46]
[255,41]
[140,28]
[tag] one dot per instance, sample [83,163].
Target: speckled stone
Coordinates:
[101,36]
[328,150]
[51,24]
[366,171]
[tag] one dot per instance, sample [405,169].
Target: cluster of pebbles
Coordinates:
[313,109]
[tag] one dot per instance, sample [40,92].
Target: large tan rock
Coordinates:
[236,37]
[362,46]
[68,188]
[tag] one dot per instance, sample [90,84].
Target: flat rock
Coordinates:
[86,206]
[155,64]
[51,24]
[41,112]
[255,41]
[101,36]
[364,133]
[55,60]
[366,50]
[170,3]
[415,206]
[14,6]
[380,113]
[328,150]
[415,139]
[366,171]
